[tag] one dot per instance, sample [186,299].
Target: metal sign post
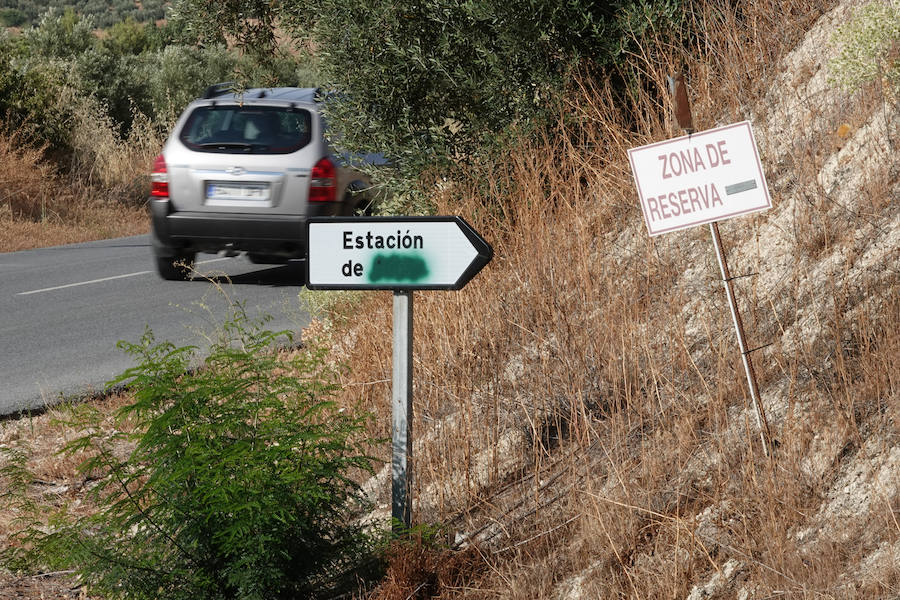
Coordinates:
[401,402]
[761,420]
[400,254]
[703,178]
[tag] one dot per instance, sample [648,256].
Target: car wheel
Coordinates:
[366,206]
[175,268]
[358,205]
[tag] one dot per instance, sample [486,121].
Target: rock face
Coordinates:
[598,497]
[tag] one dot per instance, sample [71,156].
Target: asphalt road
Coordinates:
[63,309]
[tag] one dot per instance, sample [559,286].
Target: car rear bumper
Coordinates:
[280,235]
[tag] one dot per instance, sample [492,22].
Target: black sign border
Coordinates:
[484,249]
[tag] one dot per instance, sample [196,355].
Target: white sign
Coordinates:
[393,253]
[699,178]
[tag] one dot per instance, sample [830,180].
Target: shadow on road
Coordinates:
[291,274]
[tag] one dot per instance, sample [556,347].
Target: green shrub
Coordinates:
[35,94]
[231,480]
[104,13]
[50,71]
[869,47]
[127,37]
[12,17]
[47,73]
[60,35]
[178,74]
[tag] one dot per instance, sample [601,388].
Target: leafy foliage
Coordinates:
[32,93]
[12,17]
[869,47]
[104,12]
[438,82]
[431,85]
[233,480]
[60,35]
[60,73]
[127,37]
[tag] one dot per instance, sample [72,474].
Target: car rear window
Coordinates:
[247,129]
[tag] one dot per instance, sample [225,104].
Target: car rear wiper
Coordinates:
[232,146]
[226,145]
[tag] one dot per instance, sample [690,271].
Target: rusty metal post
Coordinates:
[685,120]
[761,420]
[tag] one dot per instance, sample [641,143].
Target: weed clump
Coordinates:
[418,567]
[232,480]
[869,47]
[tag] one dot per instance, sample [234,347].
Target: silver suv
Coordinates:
[243,172]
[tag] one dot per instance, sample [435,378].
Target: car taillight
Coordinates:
[159,179]
[322,185]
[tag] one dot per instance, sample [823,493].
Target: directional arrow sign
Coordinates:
[393,253]
[699,178]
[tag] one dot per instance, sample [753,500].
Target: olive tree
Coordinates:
[436,82]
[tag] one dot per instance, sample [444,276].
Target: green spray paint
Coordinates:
[397,268]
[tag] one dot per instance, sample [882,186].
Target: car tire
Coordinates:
[366,207]
[177,267]
[266,259]
[358,204]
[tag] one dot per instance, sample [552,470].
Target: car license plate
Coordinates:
[237,191]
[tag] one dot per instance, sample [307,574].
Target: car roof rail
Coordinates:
[219,89]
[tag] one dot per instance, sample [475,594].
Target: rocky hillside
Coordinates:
[583,417]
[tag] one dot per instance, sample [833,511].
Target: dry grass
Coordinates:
[101,197]
[103,158]
[57,485]
[581,412]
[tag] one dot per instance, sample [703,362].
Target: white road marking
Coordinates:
[101,280]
